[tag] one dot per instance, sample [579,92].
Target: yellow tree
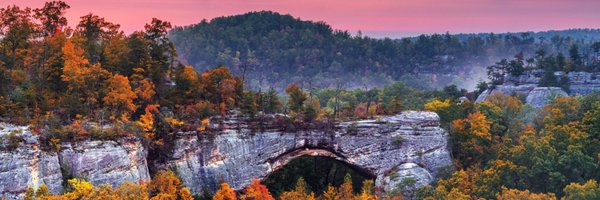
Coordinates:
[146,121]
[299,193]
[132,191]
[165,183]
[81,189]
[437,105]
[330,193]
[346,191]
[472,138]
[587,191]
[119,97]
[459,186]
[367,191]
[103,192]
[225,193]
[561,111]
[514,194]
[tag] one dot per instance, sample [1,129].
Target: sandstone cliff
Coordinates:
[100,162]
[389,149]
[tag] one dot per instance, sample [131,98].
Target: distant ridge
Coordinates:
[273,50]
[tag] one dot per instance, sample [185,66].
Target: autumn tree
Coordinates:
[188,86]
[120,97]
[81,189]
[505,113]
[346,190]
[514,194]
[16,30]
[144,90]
[85,82]
[225,193]
[301,192]
[562,110]
[330,193]
[166,185]
[220,87]
[257,191]
[366,191]
[587,191]
[458,186]
[472,138]
[297,98]
[132,191]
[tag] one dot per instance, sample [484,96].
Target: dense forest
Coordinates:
[273,50]
[94,81]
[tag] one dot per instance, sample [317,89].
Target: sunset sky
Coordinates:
[377,18]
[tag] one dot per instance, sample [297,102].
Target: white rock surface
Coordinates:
[26,166]
[238,158]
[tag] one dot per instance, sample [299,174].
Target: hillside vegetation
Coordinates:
[273,50]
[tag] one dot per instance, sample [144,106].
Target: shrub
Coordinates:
[398,140]
[14,139]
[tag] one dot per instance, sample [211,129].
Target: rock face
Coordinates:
[540,96]
[105,162]
[24,164]
[411,141]
[390,149]
[581,83]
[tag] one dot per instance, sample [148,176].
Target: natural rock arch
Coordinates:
[237,156]
[284,159]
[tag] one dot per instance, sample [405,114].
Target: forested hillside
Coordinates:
[273,50]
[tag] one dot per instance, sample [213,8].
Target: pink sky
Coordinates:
[377,18]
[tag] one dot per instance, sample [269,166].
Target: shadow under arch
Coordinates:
[318,166]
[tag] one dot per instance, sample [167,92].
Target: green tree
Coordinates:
[52,16]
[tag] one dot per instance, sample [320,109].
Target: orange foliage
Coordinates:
[257,191]
[119,96]
[514,194]
[146,121]
[225,193]
[145,90]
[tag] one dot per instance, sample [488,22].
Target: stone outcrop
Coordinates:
[105,162]
[540,96]
[24,164]
[526,85]
[411,141]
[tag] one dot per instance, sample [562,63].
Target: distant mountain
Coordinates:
[273,50]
